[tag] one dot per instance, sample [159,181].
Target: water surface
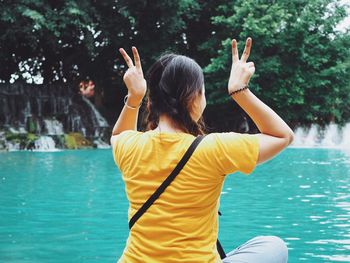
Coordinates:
[70,206]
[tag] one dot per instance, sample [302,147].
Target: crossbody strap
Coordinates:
[167,181]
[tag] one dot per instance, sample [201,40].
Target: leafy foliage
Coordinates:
[302,62]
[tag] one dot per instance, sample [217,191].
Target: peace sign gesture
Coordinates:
[133,77]
[241,70]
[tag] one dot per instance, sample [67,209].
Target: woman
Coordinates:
[182,224]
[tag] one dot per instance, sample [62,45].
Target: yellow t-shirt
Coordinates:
[182,224]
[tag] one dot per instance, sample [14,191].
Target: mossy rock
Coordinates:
[76,140]
[19,137]
[31,126]
[60,141]
[26,140]
[32,137]
[15,137]
[30,140]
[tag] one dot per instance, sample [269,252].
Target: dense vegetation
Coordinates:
[302,61]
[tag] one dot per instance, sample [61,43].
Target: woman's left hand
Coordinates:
[133,77]
[241,70]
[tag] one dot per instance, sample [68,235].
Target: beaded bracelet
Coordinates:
[130,107]
[239,90]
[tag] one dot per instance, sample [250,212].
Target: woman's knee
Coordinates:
[262,249]
[277,248]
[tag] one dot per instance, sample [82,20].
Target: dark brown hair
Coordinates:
[174,82]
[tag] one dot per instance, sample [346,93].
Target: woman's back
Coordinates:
[182,225]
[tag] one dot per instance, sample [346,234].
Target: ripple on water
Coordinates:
[315,196]
[292,238]
[308,206]
[338,258]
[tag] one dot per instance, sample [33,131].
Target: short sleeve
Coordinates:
[119,144]
[233,152]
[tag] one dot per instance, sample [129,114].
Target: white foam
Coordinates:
[332,136]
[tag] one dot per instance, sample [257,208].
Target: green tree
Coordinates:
[301,61]
[53,38]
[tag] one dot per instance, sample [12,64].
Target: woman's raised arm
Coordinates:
[275,133]
[137,87]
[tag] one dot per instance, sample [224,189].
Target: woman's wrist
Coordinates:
[240,94]
[239,89]
[133,101]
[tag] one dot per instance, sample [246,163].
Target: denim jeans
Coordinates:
[261,249]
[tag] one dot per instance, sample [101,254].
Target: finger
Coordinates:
[136,58]
[235,57]
[126,57]
[246,51]
[251,70]
[250,64]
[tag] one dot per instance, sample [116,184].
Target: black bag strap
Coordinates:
[167,181]
[219,247]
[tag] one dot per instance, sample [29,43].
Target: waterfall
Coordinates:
[304,137]
[331,136]
[101,144]
[346,136]
[53,127]
[45,143]
[99,122]
[31,114]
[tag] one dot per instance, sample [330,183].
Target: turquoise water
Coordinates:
[70,206]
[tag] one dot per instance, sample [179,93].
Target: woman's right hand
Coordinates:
[241,70]
[133,77]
